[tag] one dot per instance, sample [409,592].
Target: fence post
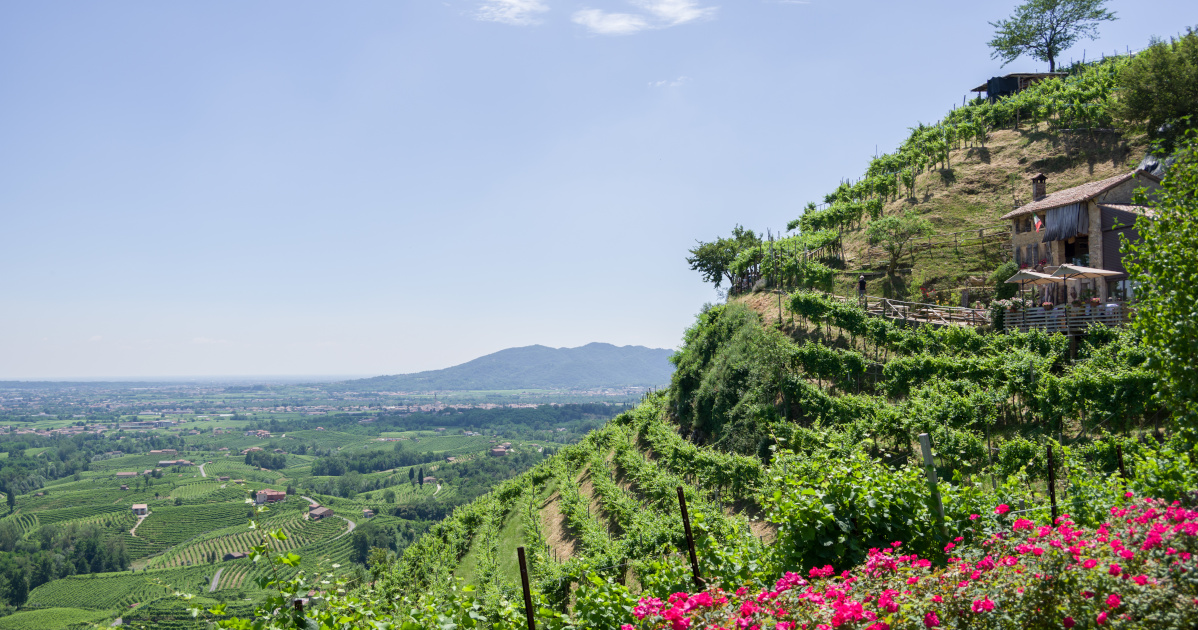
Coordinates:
[1119,454]
[690,540]
[1052,485]
[532,624]
[925,445]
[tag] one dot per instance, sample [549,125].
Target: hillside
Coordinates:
[842,470]
[593,366]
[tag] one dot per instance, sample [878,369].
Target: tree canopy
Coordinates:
[1158,89]
[894,232]
[1045,28]
[714,260]
[1165,263]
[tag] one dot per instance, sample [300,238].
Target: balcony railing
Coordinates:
[1071,320]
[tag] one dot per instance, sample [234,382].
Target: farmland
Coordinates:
[197,513]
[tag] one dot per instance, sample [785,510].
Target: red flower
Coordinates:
[973,517]
[1114,570]
[931,620]
[1141,579]
[1090,563]
[1101,618]
[948,547]
[1002,509]
[1113,601]
[1068,622]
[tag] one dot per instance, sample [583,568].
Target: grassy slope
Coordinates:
[983,184]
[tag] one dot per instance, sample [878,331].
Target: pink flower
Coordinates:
[938,599]
[948,547]
[973,517]
[912,581]
[1114,570]
[1113,601]
[1037,551]
[1127,554]
[1129,494]
[627,626]
[931,620]
[1023,523]
[1068,622]
[879,626]
[1101,618]
[958,539]
[1090,563]
[1002,509]
[1140,579]
[1087,594]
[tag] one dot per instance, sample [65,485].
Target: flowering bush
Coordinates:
[1136,570]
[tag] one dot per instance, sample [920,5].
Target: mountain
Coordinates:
[538,367]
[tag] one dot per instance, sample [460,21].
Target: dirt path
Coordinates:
[438,490]
[352,525]
[133,532]
[215,580]
[557,534]
[202,473]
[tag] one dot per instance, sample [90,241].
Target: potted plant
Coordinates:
[1095,301]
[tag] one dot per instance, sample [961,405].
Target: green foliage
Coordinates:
[1045,28]
[714,260]
[1167,268]
[1158,90]
[894,232]
[1003,289]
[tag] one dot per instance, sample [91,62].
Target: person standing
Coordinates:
[861,291]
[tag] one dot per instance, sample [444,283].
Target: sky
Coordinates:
[292,188]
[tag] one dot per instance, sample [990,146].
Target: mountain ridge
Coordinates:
[591,366]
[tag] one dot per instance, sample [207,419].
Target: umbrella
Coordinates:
[1077,272]
[1025,277]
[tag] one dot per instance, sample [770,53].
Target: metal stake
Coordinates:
[690,539]
[532,624]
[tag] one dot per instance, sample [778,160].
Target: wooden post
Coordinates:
[1052,486]
[925,445]
[299,605]
[532,624]
[690,540]
[1119,455]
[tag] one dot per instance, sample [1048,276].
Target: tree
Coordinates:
[1158,89]
[420,477]
[389,495]
[10,498]
[714,260]
[412,476]
[1166,268]
[894,232]
[1046,28]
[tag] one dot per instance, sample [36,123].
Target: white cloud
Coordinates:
[657,14]
[670,82]
[674,12]
[514,12]
[605,23]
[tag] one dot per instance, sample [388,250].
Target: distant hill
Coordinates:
[538,367]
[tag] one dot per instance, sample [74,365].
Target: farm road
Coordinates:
[215,580]
[202,473]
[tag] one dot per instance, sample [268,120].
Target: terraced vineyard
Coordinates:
[66,618]
[300,532]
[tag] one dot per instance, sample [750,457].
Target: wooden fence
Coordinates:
[927,313]
[996,234]
[1071,321]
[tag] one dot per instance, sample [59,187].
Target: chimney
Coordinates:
[1039,187]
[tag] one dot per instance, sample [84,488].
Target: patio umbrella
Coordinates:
[1025,277]
[1077,272]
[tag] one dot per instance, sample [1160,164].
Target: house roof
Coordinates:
[1127,207]
[1077,194]
[140,506]
[1021,75]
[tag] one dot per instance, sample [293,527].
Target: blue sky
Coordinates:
[241,188]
